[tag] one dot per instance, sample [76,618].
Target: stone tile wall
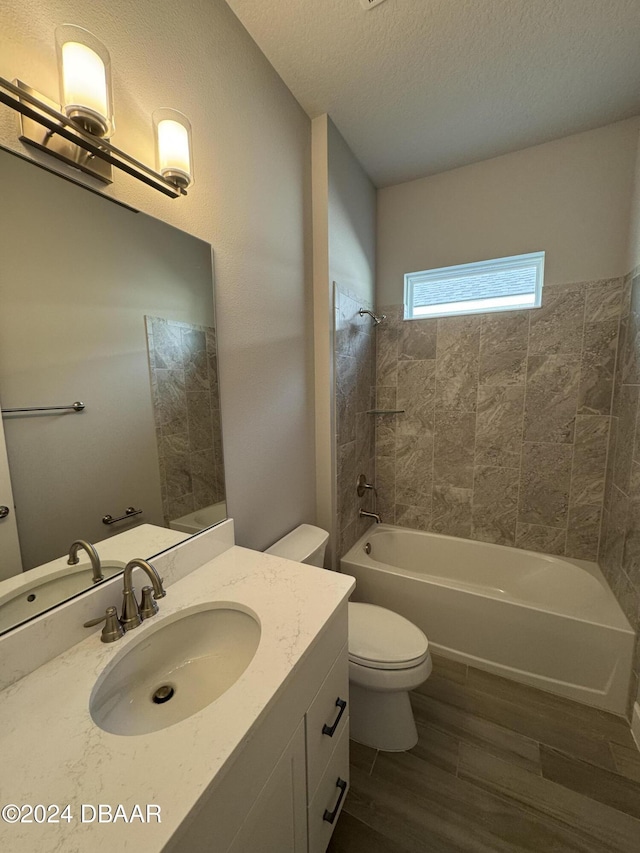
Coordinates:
[186,402]
[620,544]
[354,396]
[506,420]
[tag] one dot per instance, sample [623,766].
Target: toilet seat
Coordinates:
[384,640]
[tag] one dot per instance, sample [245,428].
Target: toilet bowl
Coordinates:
[388,657]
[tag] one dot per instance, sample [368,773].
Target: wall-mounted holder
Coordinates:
[77,407]
[385,412]
[45,126]
[129,512]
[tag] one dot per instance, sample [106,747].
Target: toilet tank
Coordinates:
[305,544]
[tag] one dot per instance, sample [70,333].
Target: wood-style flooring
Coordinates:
[499,766]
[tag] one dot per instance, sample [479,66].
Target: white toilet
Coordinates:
[388,657]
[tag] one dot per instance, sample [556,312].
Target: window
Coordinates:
[504,284]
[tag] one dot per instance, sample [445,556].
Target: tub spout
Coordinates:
[364,514]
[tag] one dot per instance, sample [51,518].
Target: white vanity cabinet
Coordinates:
[313,770]
[285,789]
[326,805]
[262,769]
[327,741]
[278,818]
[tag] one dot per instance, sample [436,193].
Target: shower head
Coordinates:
[377,318]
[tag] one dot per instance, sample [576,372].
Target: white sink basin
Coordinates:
[36,596]
[175,671]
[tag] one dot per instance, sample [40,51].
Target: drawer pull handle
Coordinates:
[330,730]
[331,816]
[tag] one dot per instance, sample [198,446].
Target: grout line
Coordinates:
[373,763]
[559,443]
[372,426]
[475,435]
[522,441]
[394,496]
[498,467]
[433,443]
[575,425]
[613,758]
[539,768]
[610,457]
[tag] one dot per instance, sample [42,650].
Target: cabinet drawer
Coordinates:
[327,720]
[326,805]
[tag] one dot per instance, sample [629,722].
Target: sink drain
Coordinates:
[163,694]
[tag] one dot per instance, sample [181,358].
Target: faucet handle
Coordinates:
[112,630]
[148,607]
[363,485]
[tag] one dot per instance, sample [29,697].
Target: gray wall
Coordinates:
[352,220]
[250,201]
[570,198]
[352,252]
[355,363]
[620,543]
[620,546]
[505,424]
[344,213]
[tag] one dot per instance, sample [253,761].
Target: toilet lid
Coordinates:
[382,639]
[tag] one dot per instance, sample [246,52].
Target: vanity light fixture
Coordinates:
[173,146]
[77,130]
[84,68]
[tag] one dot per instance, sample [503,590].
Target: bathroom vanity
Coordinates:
[264,767]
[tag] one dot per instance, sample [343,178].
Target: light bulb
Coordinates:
[85,80]
[173,141]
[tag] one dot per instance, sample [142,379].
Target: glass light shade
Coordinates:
[84,67]
[173,147]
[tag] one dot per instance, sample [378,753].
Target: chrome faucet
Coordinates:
[131,616]
[364,514]
[93,556]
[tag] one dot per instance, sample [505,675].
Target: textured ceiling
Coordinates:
[421,86]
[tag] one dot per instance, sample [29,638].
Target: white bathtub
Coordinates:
[196,521]
[547,621]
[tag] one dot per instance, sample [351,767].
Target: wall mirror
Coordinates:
[108,307]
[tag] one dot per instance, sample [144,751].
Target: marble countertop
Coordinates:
[53,753]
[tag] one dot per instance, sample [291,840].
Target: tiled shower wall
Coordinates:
[186,403]
[355,388]
[620,545]
[506,420]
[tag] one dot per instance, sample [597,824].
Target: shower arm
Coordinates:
[377,318]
